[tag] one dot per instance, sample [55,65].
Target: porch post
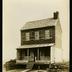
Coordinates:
[17,54]
[38,53]
[28,53]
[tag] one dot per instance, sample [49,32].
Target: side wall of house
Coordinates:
[58,42]
[56,50]
[52,53]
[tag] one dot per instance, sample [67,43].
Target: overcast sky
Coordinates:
[17,12]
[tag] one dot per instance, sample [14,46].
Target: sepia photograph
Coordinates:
[35,36]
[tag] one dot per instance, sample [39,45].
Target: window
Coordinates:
[32,35]
[36,35]
[41,34]
[27,36]
[47,34]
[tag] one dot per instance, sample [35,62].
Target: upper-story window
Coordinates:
[32,35]
[36,35]
[27,36]
[42,34]
[47,34]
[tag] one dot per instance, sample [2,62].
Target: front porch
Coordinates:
[36,55]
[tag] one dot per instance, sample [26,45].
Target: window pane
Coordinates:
[27,36]
[47,34]
[37,35]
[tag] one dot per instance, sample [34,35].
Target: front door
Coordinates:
[31,54]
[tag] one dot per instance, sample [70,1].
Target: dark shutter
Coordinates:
[42,34]
[32,35]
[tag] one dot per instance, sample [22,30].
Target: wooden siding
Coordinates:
[40,41]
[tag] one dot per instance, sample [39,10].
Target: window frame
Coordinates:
[47,35]
[36,35]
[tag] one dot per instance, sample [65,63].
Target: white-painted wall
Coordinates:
[56,50]
[56,54]
[52,53]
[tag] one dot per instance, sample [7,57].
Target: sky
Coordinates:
[17,12]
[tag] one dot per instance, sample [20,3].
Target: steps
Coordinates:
[30,65]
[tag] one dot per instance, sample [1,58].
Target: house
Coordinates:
[40,40]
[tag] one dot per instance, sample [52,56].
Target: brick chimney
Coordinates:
[56,15]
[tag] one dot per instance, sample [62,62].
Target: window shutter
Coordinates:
[32,35]
[42,34]
[23,36]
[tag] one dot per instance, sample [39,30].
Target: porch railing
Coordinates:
[44,58]
[28,58]
[31,58]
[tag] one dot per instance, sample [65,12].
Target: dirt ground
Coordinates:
[28,70]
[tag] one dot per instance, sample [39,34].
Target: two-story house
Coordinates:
[40,40]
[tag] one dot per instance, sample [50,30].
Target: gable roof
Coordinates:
[40,23]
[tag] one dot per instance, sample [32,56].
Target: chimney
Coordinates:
[56,15]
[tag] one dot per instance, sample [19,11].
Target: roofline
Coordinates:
[38,28]
[35,46]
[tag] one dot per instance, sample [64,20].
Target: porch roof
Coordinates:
[35,46]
